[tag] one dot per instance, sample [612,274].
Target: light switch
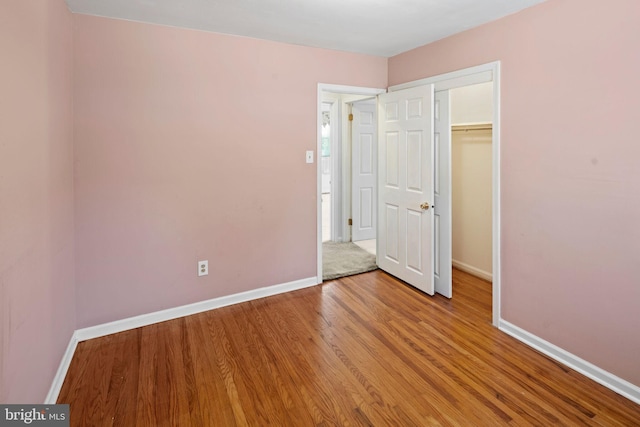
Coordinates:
[309,156]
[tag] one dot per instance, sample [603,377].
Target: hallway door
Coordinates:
[364,160]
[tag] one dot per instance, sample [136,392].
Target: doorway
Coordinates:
[474,75]
[334,201]
[471,166]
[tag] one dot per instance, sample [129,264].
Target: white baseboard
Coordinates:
[162,316]
[189,309]
[472,270]
[61,374]
[607,379]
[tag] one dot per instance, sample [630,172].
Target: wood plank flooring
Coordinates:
[366,350]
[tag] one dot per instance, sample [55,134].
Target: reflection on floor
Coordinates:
[368,245]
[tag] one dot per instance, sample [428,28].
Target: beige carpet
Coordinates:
[345,259]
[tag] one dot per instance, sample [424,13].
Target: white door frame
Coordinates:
[468,76]
[341,89]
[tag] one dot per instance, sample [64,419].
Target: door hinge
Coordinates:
[350,117]
[350,222]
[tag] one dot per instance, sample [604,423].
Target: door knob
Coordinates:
[424,206]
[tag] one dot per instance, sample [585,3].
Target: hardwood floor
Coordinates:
[362,350]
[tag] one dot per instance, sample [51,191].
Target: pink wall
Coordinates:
[570,169]
[189,146]
[37,294]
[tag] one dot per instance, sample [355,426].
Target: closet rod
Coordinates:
[467,128]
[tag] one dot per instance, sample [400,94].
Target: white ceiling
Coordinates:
[376,27]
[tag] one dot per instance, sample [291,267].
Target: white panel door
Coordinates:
[405,186]
[363,170]
[442,192]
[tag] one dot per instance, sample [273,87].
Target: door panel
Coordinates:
[414,161]
[392,224]
[405,182]
[414,231]
[392,175]
[442,190]
[363,170]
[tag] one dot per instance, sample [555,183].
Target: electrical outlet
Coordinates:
[203,268]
